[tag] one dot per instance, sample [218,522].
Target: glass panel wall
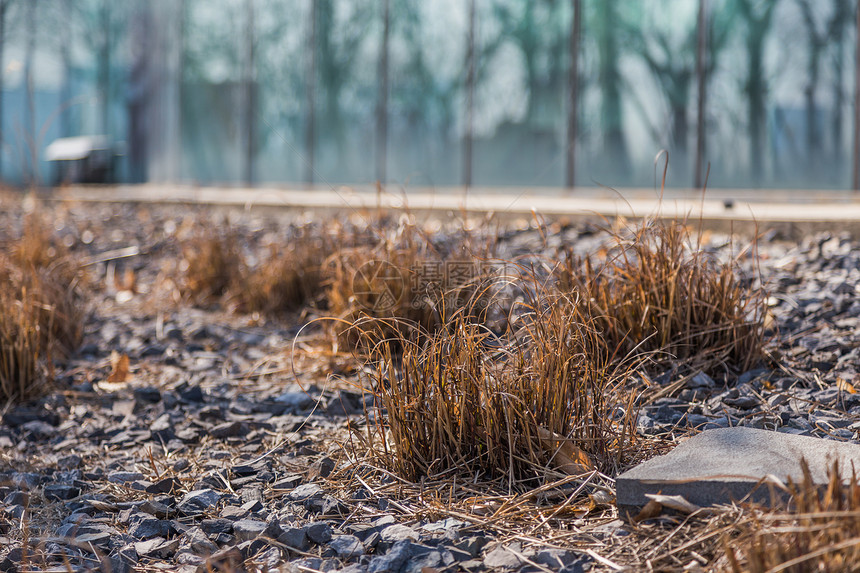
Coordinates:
[434,93]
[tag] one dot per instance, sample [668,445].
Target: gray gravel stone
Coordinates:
[318,532]
[149,527]
[61,492]
[346,546]
[156,547]
[305,491]
[216,525]
[198,541]
[502,558]
[397,532]
[198,501]
[393,560]
[246,529]
[294,537]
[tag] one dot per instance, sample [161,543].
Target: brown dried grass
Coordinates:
[212,261]
[285,281]
[656,290]
[401,287]
[540,403]
[818,532]
[22,362]
[42,313]
[288,278]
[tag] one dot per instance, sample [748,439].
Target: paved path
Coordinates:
[724,205]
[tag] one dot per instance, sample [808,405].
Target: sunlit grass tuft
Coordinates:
[212,261]
[405,284]
[657,290]
[42,310]
[546,399]
[819,531]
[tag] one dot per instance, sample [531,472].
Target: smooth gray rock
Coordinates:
[725,464]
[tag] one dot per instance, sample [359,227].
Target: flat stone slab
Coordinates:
[725,464]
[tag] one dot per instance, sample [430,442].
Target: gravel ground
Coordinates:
[228,445]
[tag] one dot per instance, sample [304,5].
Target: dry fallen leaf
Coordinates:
[566,457]
[845,385]
[651,509]
[119,367]
[601,498]
[676,502]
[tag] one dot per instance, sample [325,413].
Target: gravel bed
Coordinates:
[224,449]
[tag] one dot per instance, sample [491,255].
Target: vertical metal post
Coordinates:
[470,98]
[382,103]
[855,180]
[310,80]
[701,79]
[573,94]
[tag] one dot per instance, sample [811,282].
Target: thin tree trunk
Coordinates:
[172,98]
[701,80]
[757,106]
[249,131]
[180,91]
[470,98]
[4,4]
[104,68]
[31,95]
[609,79]
[310,80]
[839,89]
[812,143]
[573,94]
[66,89]
[382,106]
[816,44]
[855,180]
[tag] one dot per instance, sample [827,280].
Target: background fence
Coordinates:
[436,92]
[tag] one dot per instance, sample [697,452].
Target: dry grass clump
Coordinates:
[36,246]
[406,284]
[819,533]
[42,310]
[22,363]
[212,261]
[657,291]
[520,409]
[288,278]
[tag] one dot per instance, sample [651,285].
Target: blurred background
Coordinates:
[429,92]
